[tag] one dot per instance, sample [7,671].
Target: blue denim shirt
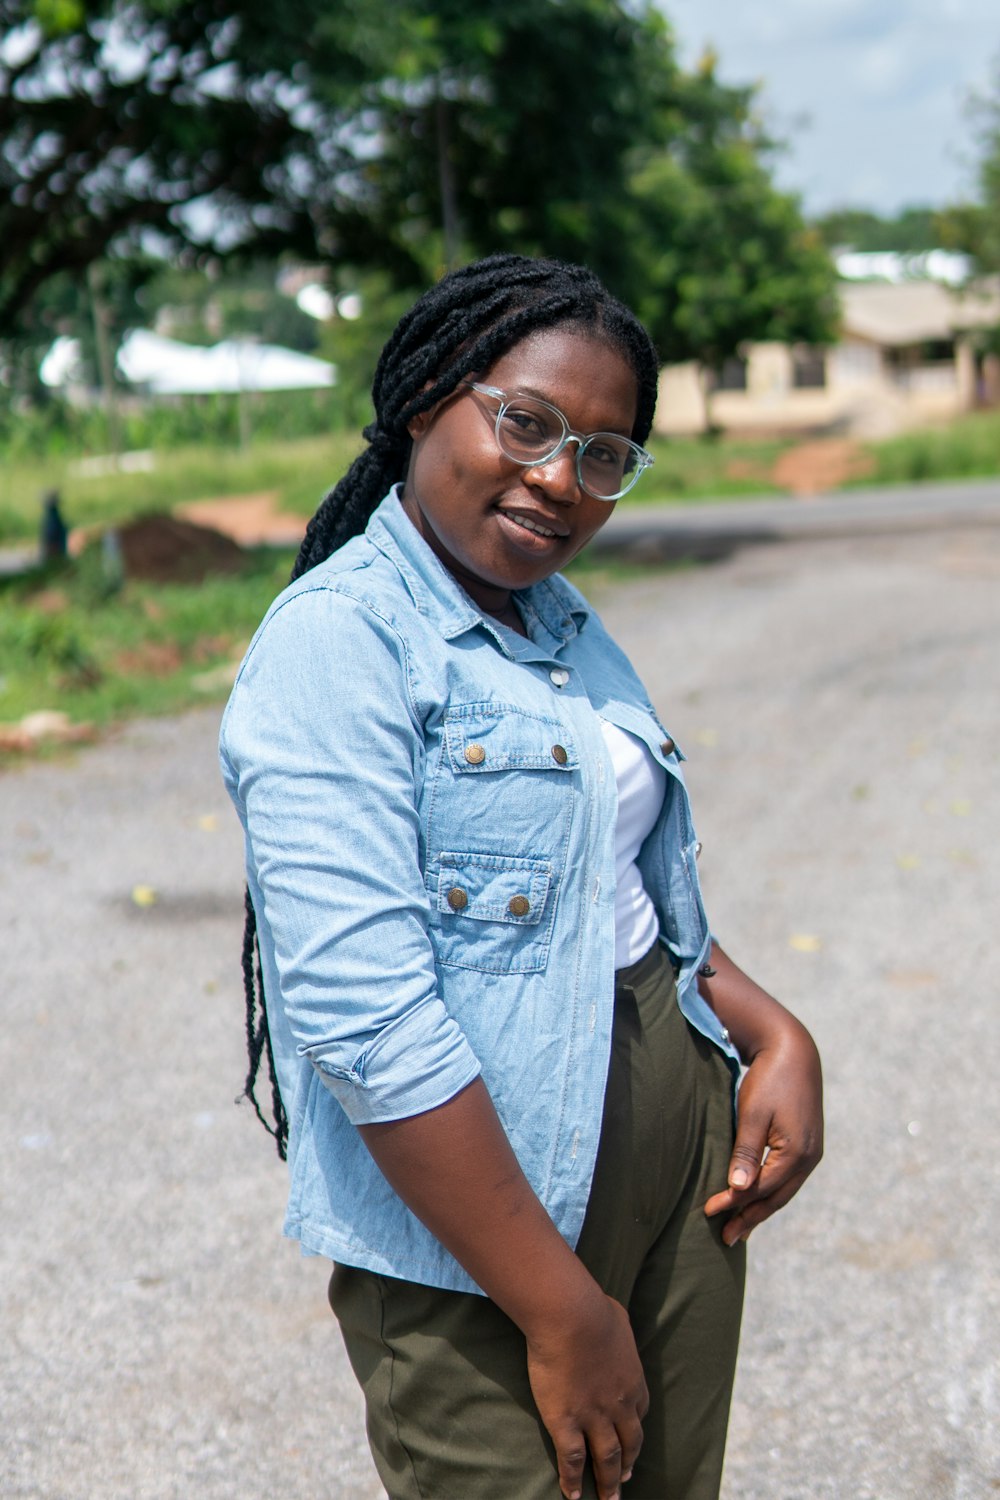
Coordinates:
[429,812]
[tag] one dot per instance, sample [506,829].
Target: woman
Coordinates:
[504,1037]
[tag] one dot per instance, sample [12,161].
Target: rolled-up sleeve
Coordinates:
[322,750]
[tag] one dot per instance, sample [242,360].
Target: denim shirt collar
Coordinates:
[553,611]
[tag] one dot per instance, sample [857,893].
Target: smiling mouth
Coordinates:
[528,524]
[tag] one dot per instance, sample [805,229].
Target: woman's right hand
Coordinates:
[588,1385]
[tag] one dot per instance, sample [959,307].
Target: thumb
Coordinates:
[747,1155]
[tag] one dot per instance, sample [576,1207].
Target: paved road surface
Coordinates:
[838,703]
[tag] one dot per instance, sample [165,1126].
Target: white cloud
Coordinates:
[868,94]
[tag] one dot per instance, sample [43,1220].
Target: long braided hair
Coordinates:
[461,325]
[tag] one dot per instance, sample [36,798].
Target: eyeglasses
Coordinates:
[532,431]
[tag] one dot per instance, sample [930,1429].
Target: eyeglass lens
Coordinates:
[530,432]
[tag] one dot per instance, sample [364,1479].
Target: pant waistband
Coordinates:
[643,969]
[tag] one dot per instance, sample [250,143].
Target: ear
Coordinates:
[418,425]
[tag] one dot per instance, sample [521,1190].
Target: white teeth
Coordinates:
[532,525]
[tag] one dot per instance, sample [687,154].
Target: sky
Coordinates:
[868,95]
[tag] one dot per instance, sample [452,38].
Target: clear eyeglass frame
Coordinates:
[641,459]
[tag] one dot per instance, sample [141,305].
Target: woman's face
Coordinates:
[470,502]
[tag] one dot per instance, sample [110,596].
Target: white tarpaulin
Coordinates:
[166,367]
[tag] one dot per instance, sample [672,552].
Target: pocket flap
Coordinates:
[484,737]
[493,887]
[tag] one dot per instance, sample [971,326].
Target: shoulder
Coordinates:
[356,598]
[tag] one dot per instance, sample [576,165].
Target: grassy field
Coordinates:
[299,472]
[70,644]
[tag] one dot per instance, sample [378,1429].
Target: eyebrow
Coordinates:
[530,390]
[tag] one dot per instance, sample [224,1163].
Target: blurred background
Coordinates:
[212,216]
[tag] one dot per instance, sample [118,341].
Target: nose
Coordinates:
[557,476]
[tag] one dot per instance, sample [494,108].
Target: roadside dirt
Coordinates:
[821,465]
[251,520]
[199,536]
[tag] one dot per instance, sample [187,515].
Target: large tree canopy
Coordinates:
[183,117]
[399,135]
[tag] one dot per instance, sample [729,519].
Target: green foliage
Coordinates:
[965,449]
[148,649]
[354,344]
[397,137]
[721,258]
[985,226]
[57,428]
[910,231]
[514,129]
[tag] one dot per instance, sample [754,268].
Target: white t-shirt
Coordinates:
[641,784]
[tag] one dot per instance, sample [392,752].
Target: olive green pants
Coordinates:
[450,1412]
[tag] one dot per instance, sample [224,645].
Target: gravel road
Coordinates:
[838,703]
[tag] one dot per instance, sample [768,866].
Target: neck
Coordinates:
[508,614]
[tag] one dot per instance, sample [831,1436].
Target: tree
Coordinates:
[510,126]
[909,232]
[400,136]
[722,258]
[975,227]
[190,124]
[568,129]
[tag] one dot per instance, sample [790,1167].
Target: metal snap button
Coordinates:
[559,755]
[475,754]
[559,676]
[519,906]
[668,746]
[457,898]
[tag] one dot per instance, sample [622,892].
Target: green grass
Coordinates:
[66,644]
[968,448]
[709,469]
[299,472]
[147,649]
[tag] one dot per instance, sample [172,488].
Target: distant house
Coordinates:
[907,354]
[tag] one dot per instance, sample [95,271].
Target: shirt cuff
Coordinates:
[414,1064]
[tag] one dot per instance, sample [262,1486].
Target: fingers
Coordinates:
[613,1452]
[587,1380]
[753,1212]
[777,1181]
[571,1455]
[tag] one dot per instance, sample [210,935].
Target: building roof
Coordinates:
[166,367]
[912,312]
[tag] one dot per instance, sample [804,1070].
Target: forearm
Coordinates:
[753,1018]
[780,1110]
[454,1168]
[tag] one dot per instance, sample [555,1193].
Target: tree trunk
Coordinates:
[446,179]
[97,312]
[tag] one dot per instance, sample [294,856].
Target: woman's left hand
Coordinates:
[779,1130]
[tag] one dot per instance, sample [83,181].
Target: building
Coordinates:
[909,353]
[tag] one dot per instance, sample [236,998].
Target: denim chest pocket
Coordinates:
[498,827]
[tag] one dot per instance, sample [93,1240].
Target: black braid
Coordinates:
[258,1034]
[461,325]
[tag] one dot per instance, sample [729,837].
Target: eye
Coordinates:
[527,423]
[607,454]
